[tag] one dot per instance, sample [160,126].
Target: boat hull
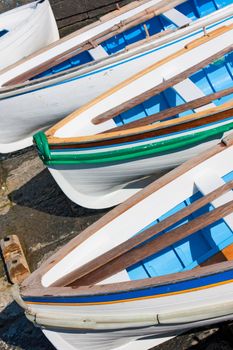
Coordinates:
[36,31]
[44,103]
[102,186]
[199,307]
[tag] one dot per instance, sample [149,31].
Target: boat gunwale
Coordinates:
[112,59]
[37,290]
[126,135]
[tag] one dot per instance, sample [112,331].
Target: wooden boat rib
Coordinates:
[121,160]
[109,293]
[26,29]
[76,81]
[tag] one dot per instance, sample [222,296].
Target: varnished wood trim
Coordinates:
[158,89]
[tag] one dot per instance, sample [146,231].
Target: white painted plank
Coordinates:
[190,91]
[177,17]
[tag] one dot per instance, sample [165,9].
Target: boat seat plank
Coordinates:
[177,17]
[190,91]
[98,53]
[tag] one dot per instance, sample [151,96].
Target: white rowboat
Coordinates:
[67,86]
[110,148]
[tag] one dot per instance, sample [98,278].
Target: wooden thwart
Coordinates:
[129,252]
[14,259]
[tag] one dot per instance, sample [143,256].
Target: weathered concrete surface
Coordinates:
[33,207]
[72,14]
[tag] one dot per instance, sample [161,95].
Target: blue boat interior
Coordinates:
[3,32]
[190,252]
[213,78]
[193,9]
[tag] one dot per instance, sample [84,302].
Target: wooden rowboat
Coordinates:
[110,148]
[44,98]
[26,29]
[151,268]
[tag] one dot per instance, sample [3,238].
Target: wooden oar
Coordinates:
[96,40]
[159,88]
[105,265]
[170,112]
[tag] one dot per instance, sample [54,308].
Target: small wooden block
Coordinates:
[14,258]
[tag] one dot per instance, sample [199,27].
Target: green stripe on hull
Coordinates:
[158,148]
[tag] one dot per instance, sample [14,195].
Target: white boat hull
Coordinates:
[101,186]
[31,27]
[43,104]
[128,336]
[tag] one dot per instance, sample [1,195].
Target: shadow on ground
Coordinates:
[17,331]
[42,193]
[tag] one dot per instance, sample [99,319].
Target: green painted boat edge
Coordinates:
[157,148]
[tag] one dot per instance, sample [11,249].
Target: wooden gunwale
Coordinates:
[32,286]
[170,112]
[164,128]
[129,252]
[146,95]
[37,290]
[96,40]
